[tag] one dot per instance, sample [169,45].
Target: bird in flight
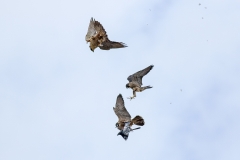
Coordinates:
[97,36]
[124,118]
[135,81]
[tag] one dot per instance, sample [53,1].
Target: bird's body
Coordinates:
[135,87]
[124,118]
[135,81]
[97,36]
[137,120]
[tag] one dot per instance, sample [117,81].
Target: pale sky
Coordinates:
[57,97]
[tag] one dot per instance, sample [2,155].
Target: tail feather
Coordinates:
[138,120]
[146,87]
[135,128]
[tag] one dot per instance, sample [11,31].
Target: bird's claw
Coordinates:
[130,98]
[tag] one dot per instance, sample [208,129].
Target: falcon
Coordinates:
[135,81]
[124,119]
[97,36]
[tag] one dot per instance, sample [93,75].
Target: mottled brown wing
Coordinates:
[121,111]
[107,45]
[94,29]
[137,77]
[138,120]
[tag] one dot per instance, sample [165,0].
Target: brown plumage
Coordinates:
[97,36]
[135,81]
[124,116]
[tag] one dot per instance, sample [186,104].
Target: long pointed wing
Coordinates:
[137,77]
[94,29]
[107,45]
[121,111]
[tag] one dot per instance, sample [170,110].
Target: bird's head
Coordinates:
[127,85]
[123,135]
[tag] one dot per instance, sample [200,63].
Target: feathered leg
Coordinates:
[134,95]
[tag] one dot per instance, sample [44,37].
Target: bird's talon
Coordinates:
[130,98]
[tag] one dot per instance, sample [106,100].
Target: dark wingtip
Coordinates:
[119,96]
[151,67]
[149,86]
[92,19]
[124,45]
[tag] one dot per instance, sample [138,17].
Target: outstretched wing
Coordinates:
[107,45]
[138,120]
[137,77]
[121,111]
[95,29]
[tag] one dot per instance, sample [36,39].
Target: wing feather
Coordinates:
[137,77]
[95,29]
[138,120]
[107,45]
[121,111]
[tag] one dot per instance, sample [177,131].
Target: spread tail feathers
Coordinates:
[146,87]
[138,120]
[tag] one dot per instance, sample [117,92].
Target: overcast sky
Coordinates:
[56,96]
